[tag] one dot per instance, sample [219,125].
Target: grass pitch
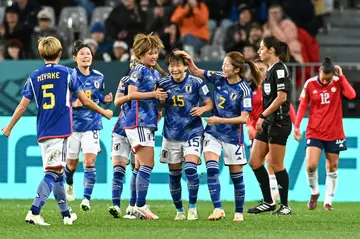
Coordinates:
[343,222]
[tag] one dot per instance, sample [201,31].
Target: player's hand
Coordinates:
[185,54]
[297,135]
[108,114]
[197,111]
[213,120]
[6,131]
[77,103]
[259,124]
[339,71]
[160,94]
[108,98]
[251,131]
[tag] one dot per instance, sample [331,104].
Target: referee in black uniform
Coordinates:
[273,126]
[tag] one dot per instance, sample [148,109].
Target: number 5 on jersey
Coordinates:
[47,94]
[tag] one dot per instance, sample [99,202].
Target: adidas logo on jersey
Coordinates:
[315,92]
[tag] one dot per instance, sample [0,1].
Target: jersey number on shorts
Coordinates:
[88,94]
[47,94]
[222,101]
[178,100]
[238,152]
[194,142]
[325,98]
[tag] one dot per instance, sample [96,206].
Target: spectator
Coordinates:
[120,51]
[284,29]
[219,10]
[256,34]
[2,52]
[159,15]
[171,39]
[13,50]
[250,52]
[98,34]
[237,34]
[94,49]
[191,17]
[125,21]
[44,29]
[27,12]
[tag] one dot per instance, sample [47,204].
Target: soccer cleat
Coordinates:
[180,216]
[115,211]
[192,214]
[144,213]
[70,220]
[85,205]
[130,213]
[238,217]
[262,207]
[312,204]
[35,219]
[217,214]
[328,207]
[70,194]
[283,210]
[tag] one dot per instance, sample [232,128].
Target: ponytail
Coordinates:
[160,70]
[284,54]
[255,72]
[282,49]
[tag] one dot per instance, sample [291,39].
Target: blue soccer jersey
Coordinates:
[182,97]
[120,123]
[143,113]
[50,87]
[229,101]
[85,119]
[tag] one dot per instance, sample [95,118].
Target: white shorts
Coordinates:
[120,147]
[53,153]
[233,154]
[140,136]
[87,142]
[173,152]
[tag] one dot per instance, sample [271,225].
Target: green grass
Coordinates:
[343,222]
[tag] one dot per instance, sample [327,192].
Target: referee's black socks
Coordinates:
[263,178]
[282,178]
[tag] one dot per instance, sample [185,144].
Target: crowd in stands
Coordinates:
[194,25]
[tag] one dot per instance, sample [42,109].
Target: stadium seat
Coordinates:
[2,13]
[51,11]
[100,14]
[112,3]
[73,21]
[212,53]
[219,36]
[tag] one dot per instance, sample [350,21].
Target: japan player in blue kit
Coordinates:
[50,87]
[141,120]
[183,130]
[224,132]
[86,125]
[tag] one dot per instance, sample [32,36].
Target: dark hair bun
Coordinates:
[327,60]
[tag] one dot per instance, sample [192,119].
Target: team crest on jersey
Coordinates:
[267,88]
[207,142]
[134,76]
[96,84]
[333,89]
[233,96]
[188,88]
[164,153]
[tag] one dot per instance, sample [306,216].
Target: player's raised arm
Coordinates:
[208,104]
[346,89]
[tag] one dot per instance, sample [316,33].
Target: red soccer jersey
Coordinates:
[325,116]
[257,109]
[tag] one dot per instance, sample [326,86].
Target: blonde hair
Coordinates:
[144,43]
[49,48]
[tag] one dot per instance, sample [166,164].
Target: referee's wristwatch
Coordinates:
[262,116]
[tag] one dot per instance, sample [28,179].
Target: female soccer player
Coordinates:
[273,126]
[183,130]
[141,120]
[232,98]
[50,86]
[325,129]
[257,108]
[86,125]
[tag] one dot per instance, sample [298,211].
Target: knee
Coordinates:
[332,166]
[254,164]
[72,164]
[89,161]
[276,166]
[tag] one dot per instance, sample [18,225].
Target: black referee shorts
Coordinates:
[274,133]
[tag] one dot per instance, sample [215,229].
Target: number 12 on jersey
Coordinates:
[325,98]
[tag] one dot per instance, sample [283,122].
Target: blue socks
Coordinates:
[142,184]
[133,187]
[89,181]
[117,184]
[239,191]
[193,182]
[60,196]
[69,176]
[175,188]
[212,167]
[43,192]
